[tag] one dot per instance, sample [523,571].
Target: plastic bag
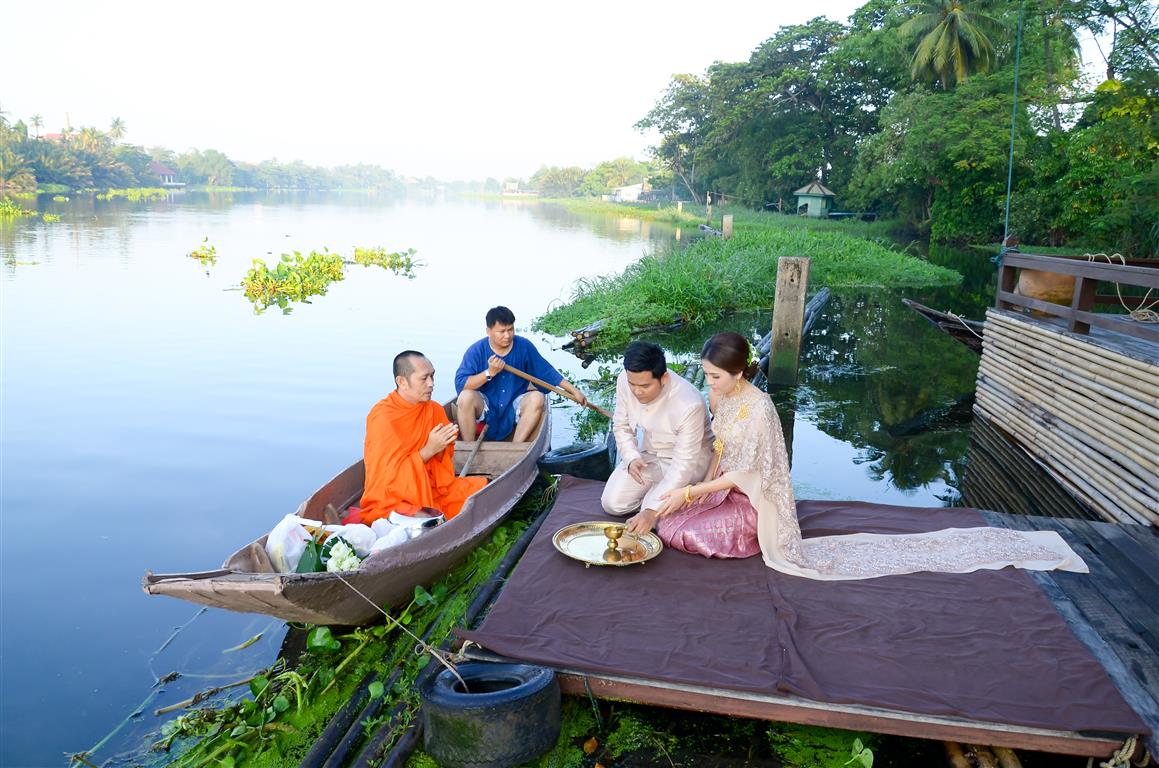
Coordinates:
[388,535]
[360,537]
[286,543]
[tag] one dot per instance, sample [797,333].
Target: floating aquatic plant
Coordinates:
[296,278]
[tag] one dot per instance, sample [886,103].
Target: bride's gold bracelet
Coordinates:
[688,495]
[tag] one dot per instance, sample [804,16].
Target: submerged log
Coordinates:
[582,338]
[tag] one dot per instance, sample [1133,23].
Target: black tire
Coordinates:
[587,460]
[513,718]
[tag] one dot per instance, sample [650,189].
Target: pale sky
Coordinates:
[455,90]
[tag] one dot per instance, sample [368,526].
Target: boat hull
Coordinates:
[246,582]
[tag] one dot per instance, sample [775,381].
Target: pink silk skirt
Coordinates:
[721,524]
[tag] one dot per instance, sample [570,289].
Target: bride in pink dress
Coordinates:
[748,506]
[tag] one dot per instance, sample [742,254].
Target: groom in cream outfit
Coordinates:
[677,437]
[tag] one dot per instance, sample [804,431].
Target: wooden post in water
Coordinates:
[680,206]
[788,319]
[726,227]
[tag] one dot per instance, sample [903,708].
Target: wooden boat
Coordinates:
[247,581]
[969,332]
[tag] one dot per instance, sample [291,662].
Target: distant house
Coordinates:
[814,200]
[629,194]
[166,176]
[57,137]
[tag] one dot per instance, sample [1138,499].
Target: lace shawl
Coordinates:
[748,426]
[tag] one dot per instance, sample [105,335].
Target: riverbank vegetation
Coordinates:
[905,110]
[713,276]
[666,212]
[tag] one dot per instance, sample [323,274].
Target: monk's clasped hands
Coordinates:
[442,436]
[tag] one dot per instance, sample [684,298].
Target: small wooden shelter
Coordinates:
[814,200]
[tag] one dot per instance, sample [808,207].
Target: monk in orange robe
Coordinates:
[410,448]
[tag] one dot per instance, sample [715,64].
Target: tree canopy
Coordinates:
[905,110]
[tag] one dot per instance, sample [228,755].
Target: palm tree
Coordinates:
[952,42]
[37,123]
[15,175]
[117,129]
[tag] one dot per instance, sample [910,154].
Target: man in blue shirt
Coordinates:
[507,402]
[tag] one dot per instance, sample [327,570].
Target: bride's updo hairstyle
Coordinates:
[730,352]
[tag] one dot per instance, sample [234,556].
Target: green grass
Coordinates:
[712,276]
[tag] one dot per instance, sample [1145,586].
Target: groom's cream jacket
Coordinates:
[677,445]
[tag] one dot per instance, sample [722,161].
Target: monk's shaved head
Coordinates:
[404,362]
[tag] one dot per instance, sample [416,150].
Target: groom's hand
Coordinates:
[636,470]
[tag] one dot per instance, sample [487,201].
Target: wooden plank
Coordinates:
[1119,352]
[790,709]
[1084,299]
[1144,559]
[1147,536]
[1116,323]
[1134,587]
[1112,273]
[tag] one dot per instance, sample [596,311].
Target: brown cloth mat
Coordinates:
[986,646]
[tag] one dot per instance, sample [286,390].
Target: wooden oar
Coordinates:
[471,457]
[555,389]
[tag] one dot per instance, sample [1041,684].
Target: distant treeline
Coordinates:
[91,159]
[906,111]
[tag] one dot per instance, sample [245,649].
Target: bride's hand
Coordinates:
[670,501]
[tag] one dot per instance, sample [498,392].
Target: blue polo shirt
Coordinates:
[502,390]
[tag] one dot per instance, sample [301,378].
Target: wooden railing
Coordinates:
[1079,316]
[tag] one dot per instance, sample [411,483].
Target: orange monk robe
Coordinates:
[397,478]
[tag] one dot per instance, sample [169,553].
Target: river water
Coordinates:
[152,420]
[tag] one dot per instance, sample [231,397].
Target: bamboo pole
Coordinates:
[1137,420]
[1081,362]
[1094,498]
[1123,445]
[1029,472]
[1139,459]
[1083,346]
[1131,452]
[1124,416]
[1000,407]
[1052,364]
[1076,459]
[1072,443]
[1117,401]
[1006,757]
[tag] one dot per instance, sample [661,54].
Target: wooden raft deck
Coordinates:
[1114,611]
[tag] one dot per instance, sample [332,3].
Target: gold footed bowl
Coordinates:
[606,543]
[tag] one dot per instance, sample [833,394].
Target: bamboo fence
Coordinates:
[1089,414]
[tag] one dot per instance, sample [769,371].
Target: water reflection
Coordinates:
[152,420]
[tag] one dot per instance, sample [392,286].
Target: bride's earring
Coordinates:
[739,382]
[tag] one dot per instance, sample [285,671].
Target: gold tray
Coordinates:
[588,543]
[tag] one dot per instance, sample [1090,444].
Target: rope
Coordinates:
[1013,123]
[1122,756]
[420,645]
[1144,313]
[965,325]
